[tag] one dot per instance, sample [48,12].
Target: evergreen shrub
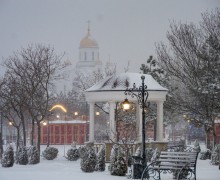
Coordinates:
[73,154]
[50,153]
[8,157]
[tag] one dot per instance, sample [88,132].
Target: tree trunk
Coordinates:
[214,137]
[1,145]
[32,132]
[38,135]
[18,138]
[208,142]
[24,133]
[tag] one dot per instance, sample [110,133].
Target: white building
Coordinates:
[88,61]
[88,54]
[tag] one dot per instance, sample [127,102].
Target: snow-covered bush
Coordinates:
[50,153]
[100,164]
[21,156]
[205,154]
[82,151]
[8,157]
[149,154]
[72,154]
[117,165]
[33,155]
[196,146]
[88,161]
[215,155]
[155,155]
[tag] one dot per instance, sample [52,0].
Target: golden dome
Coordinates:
[87,41]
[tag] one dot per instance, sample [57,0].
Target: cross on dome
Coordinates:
[87,41]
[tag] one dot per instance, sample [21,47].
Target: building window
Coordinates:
[93,56]
[85,56]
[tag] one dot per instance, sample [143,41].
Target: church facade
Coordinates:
[88,53]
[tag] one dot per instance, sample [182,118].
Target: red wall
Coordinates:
[64,133]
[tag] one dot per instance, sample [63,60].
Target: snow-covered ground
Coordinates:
[62,169]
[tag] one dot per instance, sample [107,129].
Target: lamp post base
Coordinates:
[137,170]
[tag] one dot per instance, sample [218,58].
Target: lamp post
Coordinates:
[141,94]
[46,123]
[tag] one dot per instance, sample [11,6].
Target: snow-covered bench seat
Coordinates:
[181,164]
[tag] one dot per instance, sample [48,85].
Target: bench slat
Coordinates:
[167,168]
[178,153]
[175,160]
[176,156]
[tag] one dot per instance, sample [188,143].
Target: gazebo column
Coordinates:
[91,122]
[159,127]
[112,123]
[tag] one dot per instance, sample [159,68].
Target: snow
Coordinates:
[118,83]
[63,121]
[62,169]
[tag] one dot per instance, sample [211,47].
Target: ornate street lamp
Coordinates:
[141,94]
[126,104]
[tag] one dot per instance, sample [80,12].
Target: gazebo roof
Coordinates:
[124,81]
[112,88]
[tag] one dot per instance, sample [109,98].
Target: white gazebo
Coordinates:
[111,90]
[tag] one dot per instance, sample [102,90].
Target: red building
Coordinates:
[65,132]
[217,130]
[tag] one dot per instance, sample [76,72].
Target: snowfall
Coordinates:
[62,169]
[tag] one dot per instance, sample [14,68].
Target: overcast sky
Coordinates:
[126,30]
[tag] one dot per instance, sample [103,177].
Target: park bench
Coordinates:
[181,164]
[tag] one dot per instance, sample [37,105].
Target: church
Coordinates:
[60,131]
[87,62]
[88,54]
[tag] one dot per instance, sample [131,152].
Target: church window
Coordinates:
[85,56]
[93,58]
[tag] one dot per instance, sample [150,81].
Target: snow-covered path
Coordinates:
[62,169]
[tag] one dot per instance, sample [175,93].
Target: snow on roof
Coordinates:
[217,121]
[75,121]
[124,81]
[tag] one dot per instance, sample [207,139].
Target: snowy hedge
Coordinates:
[8,157]
[21,156]
[72,154]
[100,164]
[50,153]
[88,161]
[33,155]
[117,165]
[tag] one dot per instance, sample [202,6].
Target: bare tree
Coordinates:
[32,71]
[153,68]
[13,100]
[192,60]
